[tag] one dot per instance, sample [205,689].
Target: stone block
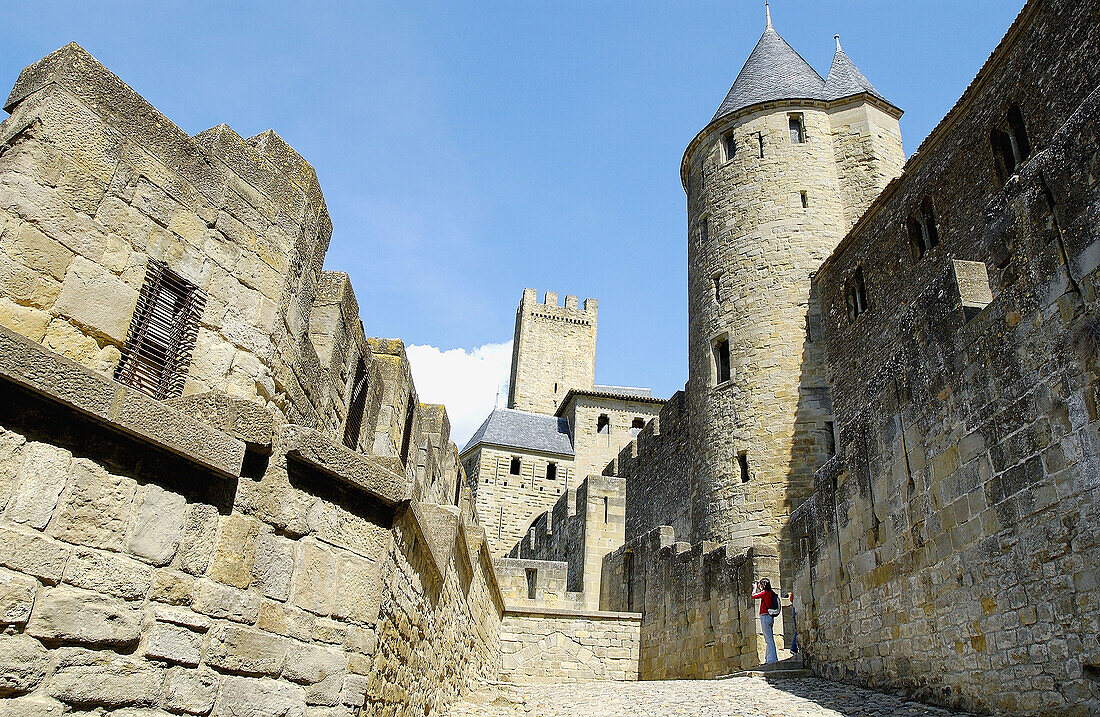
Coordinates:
[158,525]
[95,508]
[70,615]
[314,577]
[224,602]
[182,616]
[200,532]
[345,465]
[235,552]
[286,620]
[96,299]
[245,651]
[33,553]
[24,663]
[16,597]
[274,566]
[24,320]
[190,691]
[105,679]
[41,478]
[31,706]
[108,573]
[173,643]
[37,251]
[172,587]
[320,668]
[245,697]
[358,589]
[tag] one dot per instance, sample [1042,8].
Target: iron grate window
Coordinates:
[162,333]
[356,406]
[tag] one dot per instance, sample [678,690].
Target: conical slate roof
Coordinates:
[846,80]
[774,71]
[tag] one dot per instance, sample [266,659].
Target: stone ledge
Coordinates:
[514,611]
[244,420]
[343,464]
[32,366]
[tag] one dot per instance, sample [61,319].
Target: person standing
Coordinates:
[769,609]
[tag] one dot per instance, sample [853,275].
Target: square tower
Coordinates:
[554,350]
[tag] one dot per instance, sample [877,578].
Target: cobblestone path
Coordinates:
[738,696]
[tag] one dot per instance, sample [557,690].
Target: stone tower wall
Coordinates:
[554,351]
[763,246]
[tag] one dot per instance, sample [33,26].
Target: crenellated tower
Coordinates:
[774,181]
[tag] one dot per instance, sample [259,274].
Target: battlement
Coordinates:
[550,301]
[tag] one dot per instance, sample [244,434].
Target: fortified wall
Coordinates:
[951,549]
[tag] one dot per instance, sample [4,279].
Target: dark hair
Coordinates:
[766,584]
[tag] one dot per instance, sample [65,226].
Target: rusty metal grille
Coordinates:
[356,406]
[162,333]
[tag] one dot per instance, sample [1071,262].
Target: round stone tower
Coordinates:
[783,170]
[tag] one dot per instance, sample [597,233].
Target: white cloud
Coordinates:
[466,382]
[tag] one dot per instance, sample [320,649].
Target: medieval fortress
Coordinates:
[220,496]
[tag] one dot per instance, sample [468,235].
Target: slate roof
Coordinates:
[509,428]
[846,80]
[774,71]
[629,391]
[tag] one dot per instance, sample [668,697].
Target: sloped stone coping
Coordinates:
[343,464]
[244,420]
[33,367]
[516,611]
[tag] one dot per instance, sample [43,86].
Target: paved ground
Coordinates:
[737,696]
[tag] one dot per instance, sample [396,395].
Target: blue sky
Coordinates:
[469,150]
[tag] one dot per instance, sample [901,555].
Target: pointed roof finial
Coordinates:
[837,38]
[768,15]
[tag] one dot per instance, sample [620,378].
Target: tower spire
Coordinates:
[837,38]
[767,15]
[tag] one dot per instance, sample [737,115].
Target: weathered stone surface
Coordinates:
[358,589]
[94,678]
[173,644]
[24,320]
[222,601]
[314,577]
[108,573]
[274,566]
[246,651]
[241,697]
[245,420]
[39,482]
[183,617]
[16,597]
[71,615]
[31,706]
[200,532]
[158,525]
[172,587]
[95,508]
[33,553]
[320,668]
[348,466]
[235,553]
[288,621]
[97,300]
[24,663]
[190,691]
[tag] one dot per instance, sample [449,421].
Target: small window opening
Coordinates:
[636,426]
[628,580]
[721,351]
[830,438]
[760,140]
[703,172]
[717,279]
[605,509]
[743,464]
[162,333]
[798,128]
[551,471]
[555,387]
[1010,143]
[805,199]
[532,581]
[514,467]
[923,233]
[730,145]
[603,424]
[704,229]
[356,406]
[855,295]
[406,437]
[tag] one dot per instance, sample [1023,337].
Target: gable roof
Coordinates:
[774,71]
[524,430]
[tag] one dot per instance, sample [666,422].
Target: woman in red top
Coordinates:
[762,591]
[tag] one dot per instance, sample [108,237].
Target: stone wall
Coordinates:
[656,468]
[549,578]
[554,351]
[698,619]
[951,550]
[555,646]
[592,448]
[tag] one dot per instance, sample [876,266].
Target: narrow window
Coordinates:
[703,172]
[636,426]
[704,229]
[855,295]
[743,464]
[760,139]
[603,424]
[162,333]
[798,129]
[406,438]
[928,219]
[532,581]
[917,237]
[717,279]
[830,438]
[805,199]
[730,145]
[628,580]
[358,403]
[605,509]
[551,471]
[1011,147]
[721,350]
[514,467]
[555,387]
